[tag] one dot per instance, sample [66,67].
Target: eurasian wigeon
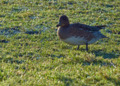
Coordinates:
[78,34]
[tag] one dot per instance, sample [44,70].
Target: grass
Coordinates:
[31,54]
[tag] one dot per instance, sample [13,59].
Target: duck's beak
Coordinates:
[58,25]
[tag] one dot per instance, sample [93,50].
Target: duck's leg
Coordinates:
[86,46]
[78,47]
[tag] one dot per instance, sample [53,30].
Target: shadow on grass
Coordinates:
[106,55]
[115,81]
[67,81]
[11,60]
[38,29]
[4,41]
[10,31]
[32,32]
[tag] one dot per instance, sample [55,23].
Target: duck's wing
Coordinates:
[87,27]
[84,31]
[78,31]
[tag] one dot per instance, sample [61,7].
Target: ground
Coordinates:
[31,53]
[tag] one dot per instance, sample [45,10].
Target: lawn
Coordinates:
[31,53]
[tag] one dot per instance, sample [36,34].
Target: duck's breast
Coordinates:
[63,33]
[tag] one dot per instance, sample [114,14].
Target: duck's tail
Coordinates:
[101,27]
[103,36]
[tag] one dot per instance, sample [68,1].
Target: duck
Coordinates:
[77,33]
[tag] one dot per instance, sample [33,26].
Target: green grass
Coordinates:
[42,59]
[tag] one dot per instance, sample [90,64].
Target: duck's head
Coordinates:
[63,21]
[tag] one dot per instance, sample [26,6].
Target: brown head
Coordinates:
[63,21]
